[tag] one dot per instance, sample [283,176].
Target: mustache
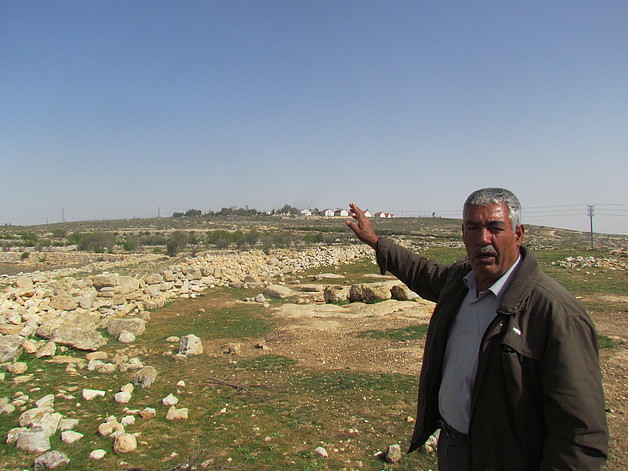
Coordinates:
[485,250]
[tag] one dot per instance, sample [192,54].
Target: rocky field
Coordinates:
[250,357]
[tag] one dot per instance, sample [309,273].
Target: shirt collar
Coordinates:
[498,287]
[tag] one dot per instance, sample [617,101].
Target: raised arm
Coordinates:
[362,226]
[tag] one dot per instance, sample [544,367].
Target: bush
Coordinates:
[94,241]
[177,242]
[130,243]
[29,238]
[24,256]
[252,237]
[316,238]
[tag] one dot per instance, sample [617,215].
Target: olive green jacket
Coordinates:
[537,402]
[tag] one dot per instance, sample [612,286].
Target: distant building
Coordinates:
[368,214]
[341,212]
[327,212]
[305,212]
[383,215]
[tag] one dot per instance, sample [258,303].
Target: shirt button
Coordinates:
[465,332]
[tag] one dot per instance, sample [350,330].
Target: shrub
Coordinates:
[24,256]
[252,237]
[94,241]
[29,238]
[130,243]
[316,238]
[177,242]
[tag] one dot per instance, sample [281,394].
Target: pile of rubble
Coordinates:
[592,262]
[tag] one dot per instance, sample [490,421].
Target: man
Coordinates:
[510,370]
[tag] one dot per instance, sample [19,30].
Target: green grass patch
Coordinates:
[413,332]
[604,341]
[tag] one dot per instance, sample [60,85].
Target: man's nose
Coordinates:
[485,236]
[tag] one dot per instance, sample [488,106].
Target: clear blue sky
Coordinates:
[115,109]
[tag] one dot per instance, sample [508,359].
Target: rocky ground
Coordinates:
[316,334]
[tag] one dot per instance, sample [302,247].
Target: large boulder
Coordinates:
[278,291]
[10,347]
[369,292]
[106,280]
[51,460]
[34,440]
[128,284]
[190,345]
[336,294]
[145,377]
[63,301]
[135,325]
[79,338]
[403,293]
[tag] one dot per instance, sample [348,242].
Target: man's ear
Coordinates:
[519,233]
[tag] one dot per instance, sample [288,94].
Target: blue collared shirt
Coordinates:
[460,363]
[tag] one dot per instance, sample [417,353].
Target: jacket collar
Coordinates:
[523,282]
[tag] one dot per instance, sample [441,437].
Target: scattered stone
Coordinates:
[34,440]
[67,424]
[122,397]
[148,413]
[127,420]
[70,436]
[96,356]
[393,454]
[111,427]
[48,422]
[10,347]
[17,368]
[23,379]
[321,451]
[231,348]
[14,433]
[190,345]
[172,339]
[51,460]
[126,337]
[30,346]
[46,401]
[48,350]
[128,388]
[97,454]
[145,377]
[177,414]
[7,409]
[170,400]
[89,394]
[125,443]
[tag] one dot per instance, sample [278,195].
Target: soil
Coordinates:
[327,337]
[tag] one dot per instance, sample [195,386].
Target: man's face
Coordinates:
[492,246]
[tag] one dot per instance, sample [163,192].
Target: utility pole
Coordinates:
[158,213]
[62,214]
[591,213]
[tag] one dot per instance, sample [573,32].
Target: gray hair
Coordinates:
[488,196]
